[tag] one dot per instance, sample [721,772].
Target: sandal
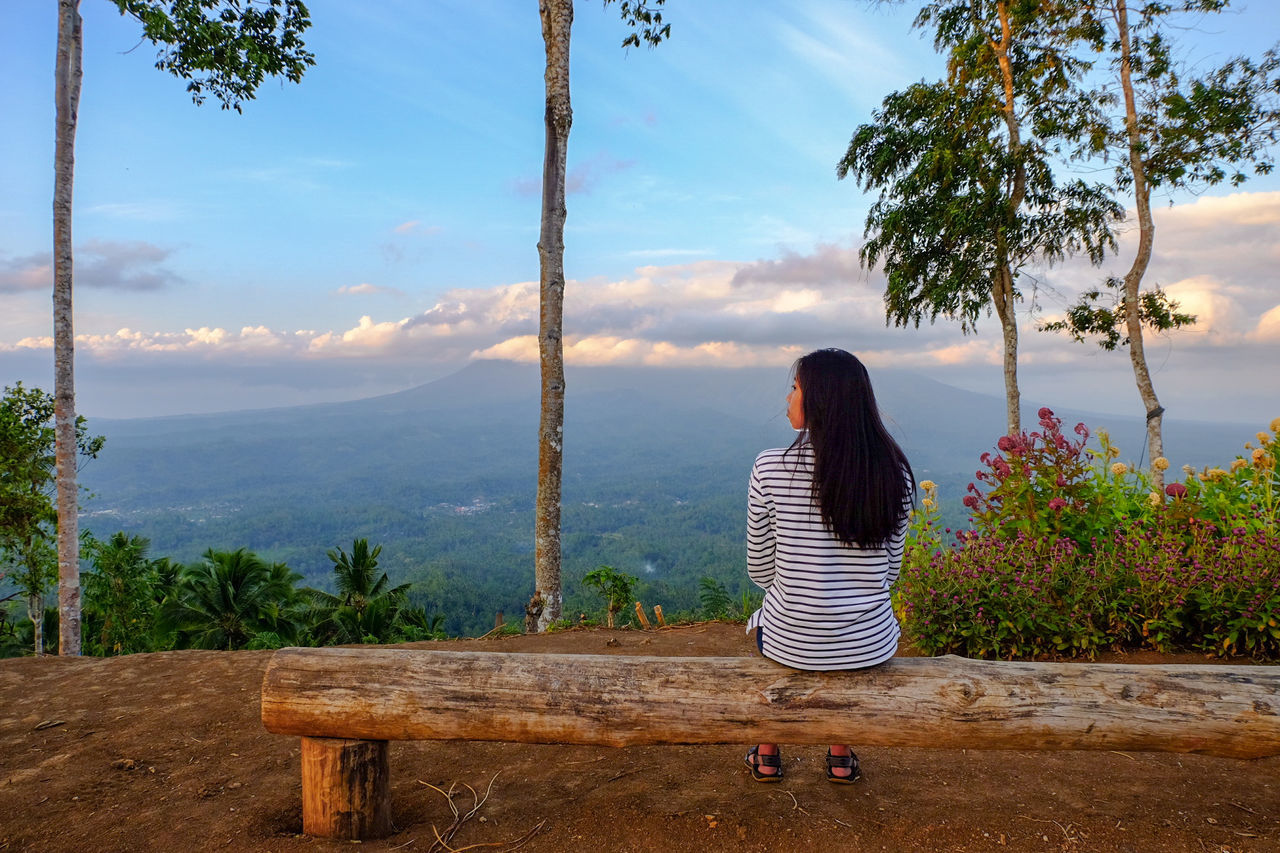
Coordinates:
[755,759]
[850,761]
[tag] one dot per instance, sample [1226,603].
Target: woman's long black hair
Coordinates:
[861,477]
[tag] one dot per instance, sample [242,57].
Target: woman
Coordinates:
[826,523]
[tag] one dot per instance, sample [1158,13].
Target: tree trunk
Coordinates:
[557,19]
[345,788]
[612,700]
[1146,239]
[67,95]
[35,611]
[1002,297]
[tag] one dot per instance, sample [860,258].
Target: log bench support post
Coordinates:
[345,788]
[346,704]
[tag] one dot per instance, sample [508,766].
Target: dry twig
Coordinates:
[441,844]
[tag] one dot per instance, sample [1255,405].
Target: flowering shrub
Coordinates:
[1070,553]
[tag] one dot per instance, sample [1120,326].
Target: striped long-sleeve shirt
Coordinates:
[826,604]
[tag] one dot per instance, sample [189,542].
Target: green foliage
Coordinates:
[1069,558]
[717,603]
[615,587]
[230,597]
[121,596]
[1092,317]
[645,19]
[966,193]
[226,47]
[1188,129]
[714,598]
[366,608]
[28,518]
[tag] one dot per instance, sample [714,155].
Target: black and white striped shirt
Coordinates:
[826,604]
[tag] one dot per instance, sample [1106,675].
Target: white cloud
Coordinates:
[366,288]
[1268,329]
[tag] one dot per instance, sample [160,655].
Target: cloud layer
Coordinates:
[98,263]
[1214,256]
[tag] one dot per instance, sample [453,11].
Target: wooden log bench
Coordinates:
[347,703]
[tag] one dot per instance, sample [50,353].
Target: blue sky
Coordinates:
[375,226]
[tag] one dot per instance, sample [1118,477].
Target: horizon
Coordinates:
[373,228]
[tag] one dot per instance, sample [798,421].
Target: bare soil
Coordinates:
[166,752]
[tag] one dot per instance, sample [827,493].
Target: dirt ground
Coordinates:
[166,752]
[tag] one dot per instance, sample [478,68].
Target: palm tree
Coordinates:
[366,605]
[230,597]
[119,594]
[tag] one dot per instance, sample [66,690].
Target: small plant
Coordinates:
[714,598]
[613,586]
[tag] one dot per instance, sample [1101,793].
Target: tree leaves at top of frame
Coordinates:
[645,19]
[225,47]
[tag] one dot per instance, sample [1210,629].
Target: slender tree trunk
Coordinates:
[557,19]
[1146,239]
[1003,295]
[67,95]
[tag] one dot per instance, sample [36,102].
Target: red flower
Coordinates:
[1175,490]
[1045,412]
[970,501]
[1006,443]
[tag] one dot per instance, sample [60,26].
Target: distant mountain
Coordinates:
[444,474]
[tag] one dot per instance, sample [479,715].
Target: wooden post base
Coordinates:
[345,788]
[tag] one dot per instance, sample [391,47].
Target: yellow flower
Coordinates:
[1238,464]
[1264,438]
[1258,456]
[1155,499]
[1189,470]
[1119,469]
[1275,426]
[929,505]
[1113,451]
[928,485]
[1216,473]
[1160,463]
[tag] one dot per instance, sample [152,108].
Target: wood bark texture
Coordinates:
[67,96]
[557,20]
[947,702]
[345,788]
[1142,259]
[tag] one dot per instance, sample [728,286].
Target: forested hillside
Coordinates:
[443,476]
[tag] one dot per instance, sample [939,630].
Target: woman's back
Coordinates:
[827,602]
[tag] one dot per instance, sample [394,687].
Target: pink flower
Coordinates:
[1057,504]
[1062,481]
[970,501]
[1006,443]
[1082,431]
[1176,490]
[1044,413]
[1001,468]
